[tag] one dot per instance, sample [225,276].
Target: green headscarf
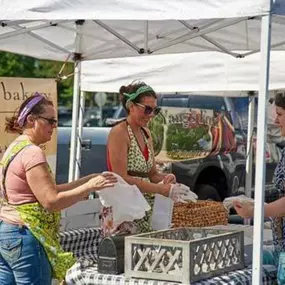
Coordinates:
[132,96]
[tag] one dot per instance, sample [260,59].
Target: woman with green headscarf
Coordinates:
[131,155]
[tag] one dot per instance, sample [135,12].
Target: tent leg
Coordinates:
[80,132]
[75,105]
[73,138]
[260,149]
[248,168]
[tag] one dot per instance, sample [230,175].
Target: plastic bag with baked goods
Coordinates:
[228,202]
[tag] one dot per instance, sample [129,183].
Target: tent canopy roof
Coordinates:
[135,10]
[196,72]
[47,29]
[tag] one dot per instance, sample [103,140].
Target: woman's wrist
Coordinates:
[93,175]
[164,189]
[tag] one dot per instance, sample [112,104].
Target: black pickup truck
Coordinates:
[204,144]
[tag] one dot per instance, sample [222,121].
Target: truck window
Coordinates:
[175,101]
[120,113]
[207,102]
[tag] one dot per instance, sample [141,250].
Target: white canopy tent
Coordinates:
[191,72]
[51,31]
[128,10]
[47,29]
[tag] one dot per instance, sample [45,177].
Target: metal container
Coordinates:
[111,255]
[184,254]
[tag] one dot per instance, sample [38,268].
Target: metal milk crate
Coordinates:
[184,254]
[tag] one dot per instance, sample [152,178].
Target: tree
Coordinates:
[50,69]
[15,65]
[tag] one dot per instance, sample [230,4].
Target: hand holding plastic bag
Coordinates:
[242,199]
[127,201]
[182,193]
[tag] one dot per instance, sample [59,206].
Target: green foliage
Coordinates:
[157,133]
[14,65]
[185,139]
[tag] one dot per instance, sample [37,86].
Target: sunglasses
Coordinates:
[149,110]
[51,121]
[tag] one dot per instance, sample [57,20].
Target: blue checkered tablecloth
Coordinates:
[89,276]
[84,244]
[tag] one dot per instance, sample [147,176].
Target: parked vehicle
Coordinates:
[92,116]
[199,138]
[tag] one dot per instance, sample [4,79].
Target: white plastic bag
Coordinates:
[127,201]
[162,213]
[182,193]
[228,202]
[163,206]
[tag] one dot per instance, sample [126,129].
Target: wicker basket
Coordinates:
[199,214]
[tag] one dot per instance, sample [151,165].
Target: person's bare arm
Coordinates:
[118,143]
[74,184]
[45,190]
[275,209]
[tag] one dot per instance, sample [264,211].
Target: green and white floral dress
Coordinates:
[139,165]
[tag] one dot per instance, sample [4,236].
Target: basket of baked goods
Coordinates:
[199,214]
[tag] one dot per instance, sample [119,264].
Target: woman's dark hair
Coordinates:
[280,100]
[132,88]
[11,124]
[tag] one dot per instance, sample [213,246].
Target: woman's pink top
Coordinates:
[17,187]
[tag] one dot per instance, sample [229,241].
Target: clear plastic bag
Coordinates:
[127,201]
[228,202]
[163,206]
[182,193]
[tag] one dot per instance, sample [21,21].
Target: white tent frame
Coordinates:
[262,130]
[194,33]
[261,127]
[76,134]
[260,149]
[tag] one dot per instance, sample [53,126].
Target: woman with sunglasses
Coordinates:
[30,201]
[131,155]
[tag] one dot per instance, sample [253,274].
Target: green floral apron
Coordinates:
[42,224]
[136,164]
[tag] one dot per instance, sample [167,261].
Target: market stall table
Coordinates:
[90,276]
[84,243]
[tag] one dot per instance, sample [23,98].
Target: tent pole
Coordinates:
[80,135]
[73,138]
[260,149]
[118,35]
[195,34]
[208,39]
[75,105]
[249,149]
[257,50]
[21,31]
[146,37]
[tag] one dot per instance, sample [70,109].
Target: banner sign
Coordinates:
[184,134]
[13,91]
